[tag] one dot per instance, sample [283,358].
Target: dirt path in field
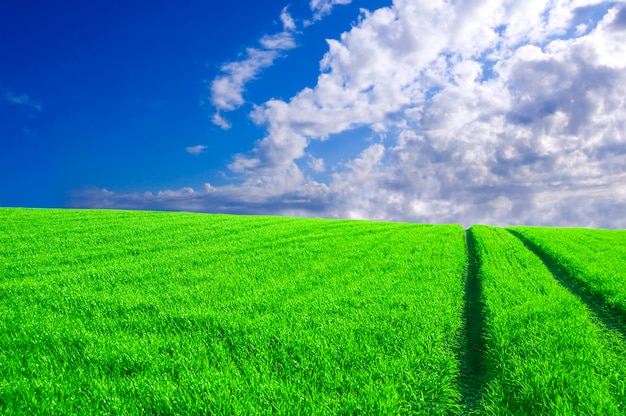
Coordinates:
[610,316]
[472,353]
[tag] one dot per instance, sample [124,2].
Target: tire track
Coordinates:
[472,379]
[610,316]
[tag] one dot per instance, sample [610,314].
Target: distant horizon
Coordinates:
[498,112]
[140,210]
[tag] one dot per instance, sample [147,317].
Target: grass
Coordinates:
[546,353]
[595,259]
[139,313]
[106,312]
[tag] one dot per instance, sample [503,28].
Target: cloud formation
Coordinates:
[195,150]
[227,89]
[321,8]
[482,111]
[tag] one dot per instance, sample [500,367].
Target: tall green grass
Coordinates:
[546,354]
[596,259]
[106,312]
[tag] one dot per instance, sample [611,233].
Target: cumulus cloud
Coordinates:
[491,111]
[316,164]
[196,150]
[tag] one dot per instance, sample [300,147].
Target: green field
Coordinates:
[546,353]
[594,259]
[117,312]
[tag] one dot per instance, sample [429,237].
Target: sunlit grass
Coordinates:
[595,258]
[546,353]
[160,313]
[112,312]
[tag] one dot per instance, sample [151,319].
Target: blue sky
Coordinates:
[487,111]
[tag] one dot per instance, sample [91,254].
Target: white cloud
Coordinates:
[321,8]
[488,111]
[196,150]
[228,88]
[278,41]
[316,164]
[467,143]
[220,121]
[289,25]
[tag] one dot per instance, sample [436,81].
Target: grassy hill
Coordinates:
[116,312]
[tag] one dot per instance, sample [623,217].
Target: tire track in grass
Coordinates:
[612,317]
[471,355]
[547,354]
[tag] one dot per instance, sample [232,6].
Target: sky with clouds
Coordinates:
[475,111]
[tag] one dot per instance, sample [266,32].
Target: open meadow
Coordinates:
[119,312]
